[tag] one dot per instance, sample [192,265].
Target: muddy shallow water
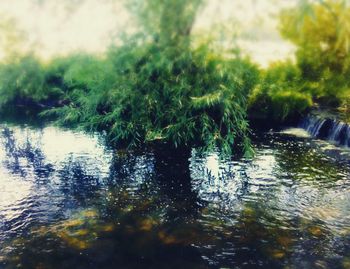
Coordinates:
[69,201]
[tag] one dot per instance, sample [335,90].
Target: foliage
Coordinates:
[23,78]
[321,32]
[166,21]
[150,93]
[281,95]
[158,86]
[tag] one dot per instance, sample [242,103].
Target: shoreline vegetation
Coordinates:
[166,85]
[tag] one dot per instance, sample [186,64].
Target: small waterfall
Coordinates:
[326,128]
[313,125]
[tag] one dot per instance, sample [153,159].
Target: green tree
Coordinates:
[281,95]
[321,32]
[167,21]
[164,88]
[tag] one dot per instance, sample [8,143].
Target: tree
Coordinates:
[321,32]
[167,21]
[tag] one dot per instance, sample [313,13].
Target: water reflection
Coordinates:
[25,158]
[46,173]
[70,202]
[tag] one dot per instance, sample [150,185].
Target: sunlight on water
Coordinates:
[12,192]
[56,144]
[212,164]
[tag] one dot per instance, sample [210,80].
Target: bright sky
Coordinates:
[61,26]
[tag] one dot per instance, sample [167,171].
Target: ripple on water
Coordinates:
[66,200]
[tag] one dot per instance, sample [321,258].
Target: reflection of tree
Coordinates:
[144,218]
[75,183]
[128,166]
[172,170]
[33,157]
[57,187]
[163,175]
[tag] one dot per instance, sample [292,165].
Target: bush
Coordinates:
[281,95]
[22,79]
[141,94]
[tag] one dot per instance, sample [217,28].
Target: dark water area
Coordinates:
[68,200]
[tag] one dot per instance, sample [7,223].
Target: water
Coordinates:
[329,129]
[69,201]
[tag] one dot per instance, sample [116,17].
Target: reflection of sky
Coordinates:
[60,26]
[39,163]
[56,145]
[12,191]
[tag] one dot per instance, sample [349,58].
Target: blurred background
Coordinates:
[57,27]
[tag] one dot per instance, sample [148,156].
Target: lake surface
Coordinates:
[69,201]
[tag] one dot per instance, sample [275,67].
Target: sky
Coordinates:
[54,27]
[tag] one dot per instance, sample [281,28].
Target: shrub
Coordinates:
[21,79]
[150,93]
[281,95]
